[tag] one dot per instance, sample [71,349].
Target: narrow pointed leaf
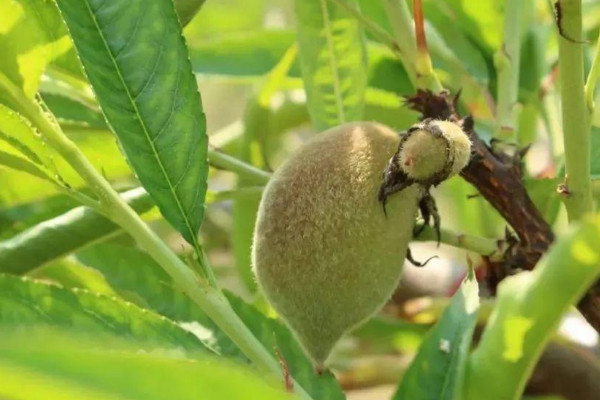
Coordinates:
[30,303]
[18,163]
[52,364]
[147,284]
[135,57]
[31,34]
[187,9]
[62,235]
[333,62]
[439,367]
[19,134]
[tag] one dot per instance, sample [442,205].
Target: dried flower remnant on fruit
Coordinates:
[324,254]
[429,153]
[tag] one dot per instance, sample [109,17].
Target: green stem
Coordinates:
[488,247]
[507,62]
[80,197]
[401,21]
[417,63]
[426,77]
[576,119]
[249,192]
[590,84]
[528,310]
[210,300]
[229,163]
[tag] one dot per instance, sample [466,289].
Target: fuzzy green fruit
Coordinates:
[324,254]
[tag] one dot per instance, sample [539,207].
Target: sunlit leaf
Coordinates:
[148,285]
[22,164]
[71,274]
[22,137]
[31,34]
[136,59]
[333,61]
[54,365]
[29,303]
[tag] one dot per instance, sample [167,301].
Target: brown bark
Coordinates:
[498,177]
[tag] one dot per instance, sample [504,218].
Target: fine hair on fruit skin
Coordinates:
[325,254]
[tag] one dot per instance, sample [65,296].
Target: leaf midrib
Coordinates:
[332,61]
[143,125]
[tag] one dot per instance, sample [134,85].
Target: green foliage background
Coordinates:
[86,312]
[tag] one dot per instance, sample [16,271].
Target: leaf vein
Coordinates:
[142,124]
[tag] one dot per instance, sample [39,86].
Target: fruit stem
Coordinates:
[492,248]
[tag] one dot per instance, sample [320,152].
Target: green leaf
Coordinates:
[438,369]
[54,365]
[24,216]
[544,196]
[31,34]
[249,54]
[148,285]
[595,149]
[256,53]
[448,44]
[386,72]
[187,9]
[274,335]
[71,274]
[139,279]
[28,303]
[467,212]
[384,334]
[19,134]
[529,308]
[481,20]
[71,114]
[98,146]
[333,61]
[257,120]
[533,60]
[136,59]
[23,165]
[463,50]
[218,18]
[62,235]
